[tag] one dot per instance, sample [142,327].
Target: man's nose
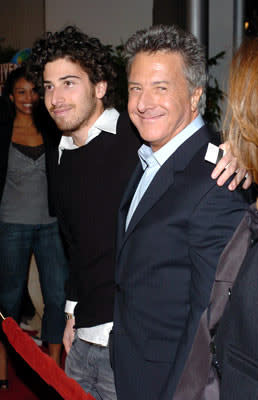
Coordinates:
[145,101]
[56,96]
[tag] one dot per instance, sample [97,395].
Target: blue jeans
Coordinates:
[17,243]
[89,365]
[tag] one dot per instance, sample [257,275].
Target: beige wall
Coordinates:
[112,21]
[21,22]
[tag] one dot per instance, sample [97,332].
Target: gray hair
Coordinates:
[172,38]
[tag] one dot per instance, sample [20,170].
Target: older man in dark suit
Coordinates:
[174,221]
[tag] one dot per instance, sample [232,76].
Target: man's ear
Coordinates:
[100,89]
[195,97]
[11,97]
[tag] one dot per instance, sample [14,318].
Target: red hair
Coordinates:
[242,112]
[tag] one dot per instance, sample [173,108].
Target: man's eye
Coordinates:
[134,89]
[162,88]
[48,87]
[68,83]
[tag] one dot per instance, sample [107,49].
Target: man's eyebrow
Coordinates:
[70,76]
[133,83]
[63,78]
[153,83]
[159,82]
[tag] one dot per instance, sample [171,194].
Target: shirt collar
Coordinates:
[147,157]
[146,154]
[107,122]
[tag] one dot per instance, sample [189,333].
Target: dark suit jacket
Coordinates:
[165,268]
[237,334]
[51,138]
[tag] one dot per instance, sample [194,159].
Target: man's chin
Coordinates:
[64,127]
[66,133]
[67,127]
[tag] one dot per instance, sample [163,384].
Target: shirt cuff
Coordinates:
[70,306]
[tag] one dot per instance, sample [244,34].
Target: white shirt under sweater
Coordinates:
[106,122]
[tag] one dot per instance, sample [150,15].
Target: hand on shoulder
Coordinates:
[228,167]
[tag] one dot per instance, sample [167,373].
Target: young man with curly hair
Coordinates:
[94,161]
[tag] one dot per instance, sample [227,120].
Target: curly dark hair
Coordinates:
[70,43]
[174,39]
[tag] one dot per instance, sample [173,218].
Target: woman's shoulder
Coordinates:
[6,118]
[6,128]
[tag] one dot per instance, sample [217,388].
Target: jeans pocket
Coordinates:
[110,348]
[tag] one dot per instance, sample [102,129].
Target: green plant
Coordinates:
[118,59]
[120,63]
[214,95]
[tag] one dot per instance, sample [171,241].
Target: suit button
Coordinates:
[253,242]
[118,288]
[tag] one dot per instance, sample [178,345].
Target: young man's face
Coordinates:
[71,99]
[160,104]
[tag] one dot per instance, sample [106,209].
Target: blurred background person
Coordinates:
[236,339]
[223,361]
[27,221]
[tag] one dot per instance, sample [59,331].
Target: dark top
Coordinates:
[237,334]
[51,138]
[90,183]
[25,195]
[33,152]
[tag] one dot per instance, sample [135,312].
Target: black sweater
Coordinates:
[90,184]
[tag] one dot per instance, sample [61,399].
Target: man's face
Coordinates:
[160,104]
[71,99]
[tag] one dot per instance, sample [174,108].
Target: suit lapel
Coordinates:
[126,201]
[160,184]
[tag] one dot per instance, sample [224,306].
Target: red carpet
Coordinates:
[17,389]
[25,384]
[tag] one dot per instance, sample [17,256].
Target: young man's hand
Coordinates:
[68,337]
[228,166]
